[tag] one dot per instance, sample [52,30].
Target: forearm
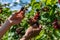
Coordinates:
[6,26]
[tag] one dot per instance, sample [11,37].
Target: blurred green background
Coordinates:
[49,10]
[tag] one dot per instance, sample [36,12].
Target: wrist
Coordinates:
[6,26]
[8,23]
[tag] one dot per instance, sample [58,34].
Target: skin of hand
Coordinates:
[31,32]
[34,29]
[15,18]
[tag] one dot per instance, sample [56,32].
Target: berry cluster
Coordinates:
[34,20]
[55,24]
[37,15]
[21,12]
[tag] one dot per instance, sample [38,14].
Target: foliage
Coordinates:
[47,15]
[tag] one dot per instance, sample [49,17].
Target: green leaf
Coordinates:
[40,34]
[32,2]
[36,5]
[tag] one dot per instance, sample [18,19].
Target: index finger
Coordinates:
[14,14]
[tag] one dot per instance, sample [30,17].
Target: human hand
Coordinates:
[32,32]
[16,18]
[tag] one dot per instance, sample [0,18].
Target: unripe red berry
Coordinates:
[37,15]
[55,24]
[34,21]
[59,1]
